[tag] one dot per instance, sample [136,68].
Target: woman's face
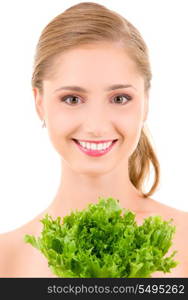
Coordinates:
[95,111]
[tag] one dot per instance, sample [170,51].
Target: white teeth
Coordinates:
[101,146]
[95,146]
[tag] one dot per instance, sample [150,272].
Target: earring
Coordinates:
[43,124]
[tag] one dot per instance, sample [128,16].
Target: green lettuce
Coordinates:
[100,241]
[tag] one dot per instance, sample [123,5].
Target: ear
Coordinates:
[39,103]
[146,107]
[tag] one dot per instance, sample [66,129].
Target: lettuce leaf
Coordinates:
[104,240]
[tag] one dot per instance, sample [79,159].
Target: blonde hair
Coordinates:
[87,23]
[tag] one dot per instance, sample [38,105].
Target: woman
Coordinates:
[91,82]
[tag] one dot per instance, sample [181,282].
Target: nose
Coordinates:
[97,123]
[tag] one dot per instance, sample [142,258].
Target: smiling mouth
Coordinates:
[93,151]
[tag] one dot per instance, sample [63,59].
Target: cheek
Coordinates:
[60,128]
[60,121]
[130,121]
[130,127]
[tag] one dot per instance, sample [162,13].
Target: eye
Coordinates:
[64,99]
[74,99]
[121,97]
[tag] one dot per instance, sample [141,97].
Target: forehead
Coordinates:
[98,64]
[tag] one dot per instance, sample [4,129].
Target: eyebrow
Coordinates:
[81,89]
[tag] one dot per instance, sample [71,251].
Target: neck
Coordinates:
[77,190]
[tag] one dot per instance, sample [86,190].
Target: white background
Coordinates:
[29,165]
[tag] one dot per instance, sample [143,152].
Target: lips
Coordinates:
[92,152]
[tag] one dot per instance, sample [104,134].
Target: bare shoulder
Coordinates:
[7,248]
[13,247]
[179,243]
[3,248]
[180,217]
